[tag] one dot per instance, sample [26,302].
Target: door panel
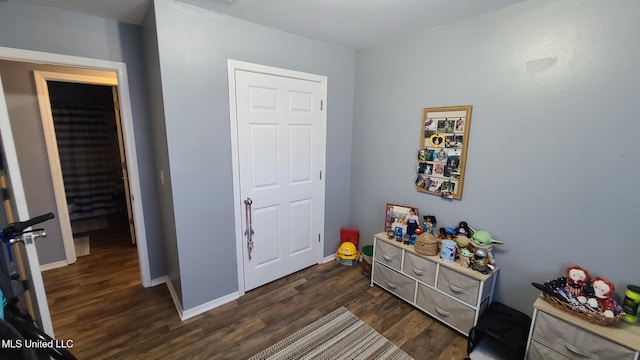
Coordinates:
[301,225]
[267,248]
[300,156]
[264,156]
[279,154]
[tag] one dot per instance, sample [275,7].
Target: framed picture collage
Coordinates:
[443,151]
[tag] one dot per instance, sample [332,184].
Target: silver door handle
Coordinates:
[249,231]
[29,237]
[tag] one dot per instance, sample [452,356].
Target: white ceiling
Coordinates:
[355,24]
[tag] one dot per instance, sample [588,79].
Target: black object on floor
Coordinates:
[501,333]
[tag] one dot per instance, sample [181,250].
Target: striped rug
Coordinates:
[338,335]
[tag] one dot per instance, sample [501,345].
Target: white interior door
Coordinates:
[280,146]
[123,163]
[29,265]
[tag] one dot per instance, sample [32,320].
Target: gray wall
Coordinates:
[194,45]
[161,158]
[32,27]
[553,156]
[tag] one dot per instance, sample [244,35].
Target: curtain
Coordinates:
[89,159]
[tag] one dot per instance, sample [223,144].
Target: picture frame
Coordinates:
[395,215]
[444,140]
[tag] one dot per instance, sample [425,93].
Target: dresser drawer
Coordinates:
[446,309]
[574,342]
[538,351]
[388,254]
[395,282]
[419,268]
[458,285]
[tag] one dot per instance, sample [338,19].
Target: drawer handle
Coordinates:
[417,271]
[387,257]
[392,285]
[456,289]
[576,350]
[442,312]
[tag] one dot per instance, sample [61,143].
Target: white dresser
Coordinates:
[557,334]
[449,292]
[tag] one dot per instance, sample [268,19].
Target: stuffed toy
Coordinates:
[603,289]
[577,279]
[463,229]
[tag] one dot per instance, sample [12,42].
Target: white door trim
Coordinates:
[20,200]
[41,78]
[238,204]
[128,133]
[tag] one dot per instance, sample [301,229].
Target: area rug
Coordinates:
[338,335]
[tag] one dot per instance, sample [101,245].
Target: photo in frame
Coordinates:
[442,153]
[396,216]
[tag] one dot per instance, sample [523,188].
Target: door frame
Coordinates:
[22,211]
[120,69]
[46,115]
[238,204]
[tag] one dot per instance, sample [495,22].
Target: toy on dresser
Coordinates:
[577,280]
[589,298]
[602,299]
[429,224]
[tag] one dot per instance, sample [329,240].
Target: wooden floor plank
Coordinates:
[99,303]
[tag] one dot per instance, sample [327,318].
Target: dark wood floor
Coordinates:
[99,303]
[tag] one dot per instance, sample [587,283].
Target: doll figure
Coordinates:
[412,221]
[603,289]
[465,258]
[577,279]
[429,224]
[463,229]
[442,233]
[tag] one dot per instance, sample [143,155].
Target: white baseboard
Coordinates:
[187,314]
[208,306]
[174,296]
[159,281]
[53,265]
[329,258]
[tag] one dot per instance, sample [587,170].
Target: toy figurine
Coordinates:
[465,258]
[398,233]
[577,279]
[414,237]
[451,233]
[429,224]
[482,240]
[603,289]
[480,261]
[442,233]
[463,243]
[463,229]
[413,222]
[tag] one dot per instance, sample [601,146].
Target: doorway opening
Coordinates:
[93,163]
[41,196]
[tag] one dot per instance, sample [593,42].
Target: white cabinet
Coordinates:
[557,334]
[451,293]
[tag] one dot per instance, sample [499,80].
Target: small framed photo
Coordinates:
[398,216]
